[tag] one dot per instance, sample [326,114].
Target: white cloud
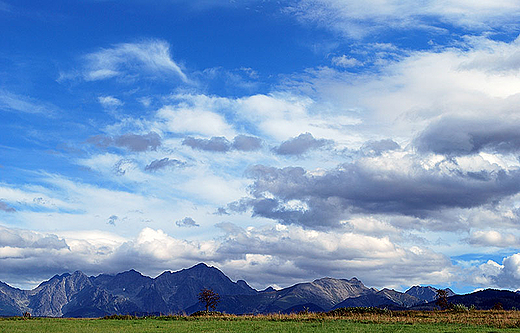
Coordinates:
[182,119]
[346,62]
[282,116]
[491,273]
[33,197]
[278,255]
[109,101]
[404,96]
[492,238]
[148,57]
[355,18]
[14,102]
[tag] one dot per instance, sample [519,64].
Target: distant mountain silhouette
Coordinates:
[427,294]
[77,295]
[322,294]
[130,292]
[483,300]
[385,298]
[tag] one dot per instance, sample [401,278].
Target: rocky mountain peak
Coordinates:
[130,292]
[426,293]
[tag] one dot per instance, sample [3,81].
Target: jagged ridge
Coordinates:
[130,292]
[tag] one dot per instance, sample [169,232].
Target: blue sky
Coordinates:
[280,141]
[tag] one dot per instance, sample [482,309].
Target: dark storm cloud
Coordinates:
[458,136]
[222,145]
[187,222]
[130,141]
[294,196]
[6,208]
[247,143]
[300,145]
[163,163]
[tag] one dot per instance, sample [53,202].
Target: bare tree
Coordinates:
[442,299]
[209,298]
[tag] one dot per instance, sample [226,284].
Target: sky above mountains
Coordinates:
[280,141]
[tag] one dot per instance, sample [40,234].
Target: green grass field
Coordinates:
[290,323]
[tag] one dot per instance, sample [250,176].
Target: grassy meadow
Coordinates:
[407,321]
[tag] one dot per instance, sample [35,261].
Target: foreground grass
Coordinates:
[413,321]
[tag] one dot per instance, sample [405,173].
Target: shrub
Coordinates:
[120,317]
[497,306]
[459,308]
[206,313]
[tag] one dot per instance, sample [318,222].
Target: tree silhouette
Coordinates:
[497,306]
[209,298]
[442,299]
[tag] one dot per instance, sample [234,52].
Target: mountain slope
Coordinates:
[179,290]
[482,300]
[171,292]
[427,294]
[319,294]
[49,297]
[130,292]
[324,293]
[13,301]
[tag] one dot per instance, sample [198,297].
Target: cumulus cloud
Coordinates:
[416,89]
[494,57]
[187,222]
[156,165]
[491,273]
[24,239]
[452,135]
[378,147]
[276,116]
[263,256]
[150,57]
[246,143]
[136,142]
[130,141]
[289,252]
[492,238]
[194,115]
[510,275]
[215,144]
[221,144]
[300,145]
[401,185]
[6,208]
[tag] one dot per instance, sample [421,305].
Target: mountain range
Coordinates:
[130,292]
